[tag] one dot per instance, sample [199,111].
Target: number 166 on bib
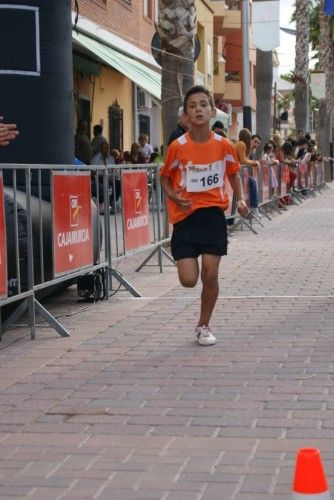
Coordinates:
[203,179]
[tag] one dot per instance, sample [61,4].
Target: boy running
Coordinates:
[193,177]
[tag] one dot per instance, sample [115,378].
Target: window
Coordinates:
[148,8]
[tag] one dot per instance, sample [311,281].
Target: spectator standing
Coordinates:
[182,126]
[102,158]
[255,144]
[218,128]
[310,159]
[97,139]
[243,149]
[287,151]
[193,178]
[83,150]
[277,143]
[144,147]
[301,149]
[268,158]
[134,155]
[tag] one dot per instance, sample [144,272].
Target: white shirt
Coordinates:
[146,150]
[100,160]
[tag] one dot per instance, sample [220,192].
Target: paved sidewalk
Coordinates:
[129,407]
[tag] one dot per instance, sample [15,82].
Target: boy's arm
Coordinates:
[166,184]
[235,181]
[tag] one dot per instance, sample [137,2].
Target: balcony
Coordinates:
[232,91]
[232,21]
[218,6]
[219,78]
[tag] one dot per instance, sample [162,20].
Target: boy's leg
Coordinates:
[188,272]
[209,277]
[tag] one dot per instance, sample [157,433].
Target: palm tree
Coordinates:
[326,64]
[176,27]
[301,64]
[264,79]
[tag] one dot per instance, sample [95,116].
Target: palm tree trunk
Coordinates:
[264,81]
[301,64]
[326,64]
[176,27]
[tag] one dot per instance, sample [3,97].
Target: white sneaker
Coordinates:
[204,335]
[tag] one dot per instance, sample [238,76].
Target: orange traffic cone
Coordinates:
[310,480]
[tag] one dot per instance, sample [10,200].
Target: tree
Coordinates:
[264,83]
[301,64]
[176,27]
[326,64]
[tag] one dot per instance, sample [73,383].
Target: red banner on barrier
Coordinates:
[285,179]
[72,222]
[3,247]
[302,175]
[265,184]
[135,209]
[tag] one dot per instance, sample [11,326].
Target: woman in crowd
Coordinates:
[277,144]
[243,149]
[134,156]
[309,160]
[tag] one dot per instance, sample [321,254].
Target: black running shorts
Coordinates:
[202,232]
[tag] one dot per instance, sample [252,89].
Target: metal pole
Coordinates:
[247,113]
[30,254]
[275,108]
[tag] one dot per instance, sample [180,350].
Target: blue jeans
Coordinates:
[253,193]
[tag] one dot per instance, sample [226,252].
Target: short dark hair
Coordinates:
[97,129]
[197,89]
[258,136]
[218,124]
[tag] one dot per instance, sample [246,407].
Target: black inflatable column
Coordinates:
[36,80]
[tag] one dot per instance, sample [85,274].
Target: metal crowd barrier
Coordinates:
[51,231]
[274,187]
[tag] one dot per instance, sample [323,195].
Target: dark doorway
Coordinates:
[116,126]
[83,112]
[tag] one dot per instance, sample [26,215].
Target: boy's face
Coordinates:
[199,111]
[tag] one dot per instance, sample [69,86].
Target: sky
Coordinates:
[286,50]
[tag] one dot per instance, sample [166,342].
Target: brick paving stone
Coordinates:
[130,407]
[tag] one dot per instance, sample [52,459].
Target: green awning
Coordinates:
[146,78]
[86,66]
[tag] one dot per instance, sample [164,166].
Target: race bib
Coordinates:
[204,177]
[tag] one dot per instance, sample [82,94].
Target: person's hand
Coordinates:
[242,208]
[183,203]
[8,132]
[256,163]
